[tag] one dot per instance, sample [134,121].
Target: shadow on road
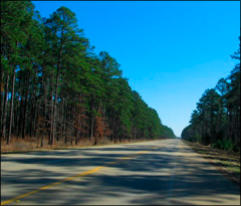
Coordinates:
[139,177]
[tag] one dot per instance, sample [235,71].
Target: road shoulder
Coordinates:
[227,163]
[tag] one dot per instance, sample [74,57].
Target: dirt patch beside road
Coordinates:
[226,162]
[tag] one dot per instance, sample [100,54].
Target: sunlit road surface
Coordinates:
[150,173]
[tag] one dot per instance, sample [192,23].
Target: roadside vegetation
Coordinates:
[216,119]
[54,88]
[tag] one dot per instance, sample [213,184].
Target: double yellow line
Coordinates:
[82,174]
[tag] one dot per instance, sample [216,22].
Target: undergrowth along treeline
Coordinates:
[53,84]
[216,119]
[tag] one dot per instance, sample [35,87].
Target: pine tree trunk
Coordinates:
[92,127]
[20,115]
[34,118]
[63,125]
[56,96]
[51,119]
[45,104]
[1,100]
[54,109]
[25,109]
[5,109]
[11,108]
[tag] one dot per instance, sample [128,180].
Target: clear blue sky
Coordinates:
[169,51]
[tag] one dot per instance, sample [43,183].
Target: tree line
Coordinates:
[216,119]
[54,85]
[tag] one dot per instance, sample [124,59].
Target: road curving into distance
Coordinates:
[156,172]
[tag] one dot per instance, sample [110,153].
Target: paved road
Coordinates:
[150,173]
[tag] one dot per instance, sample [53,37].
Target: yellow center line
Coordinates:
[66,179]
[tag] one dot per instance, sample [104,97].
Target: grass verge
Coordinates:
[228,163]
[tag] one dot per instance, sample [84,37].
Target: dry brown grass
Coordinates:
[226,162]
[31,144]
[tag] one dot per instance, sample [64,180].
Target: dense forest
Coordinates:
[216,119]
[54,86]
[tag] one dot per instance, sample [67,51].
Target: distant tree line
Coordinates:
[216,119]
[53,84]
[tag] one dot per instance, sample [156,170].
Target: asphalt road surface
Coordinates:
[159,172]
